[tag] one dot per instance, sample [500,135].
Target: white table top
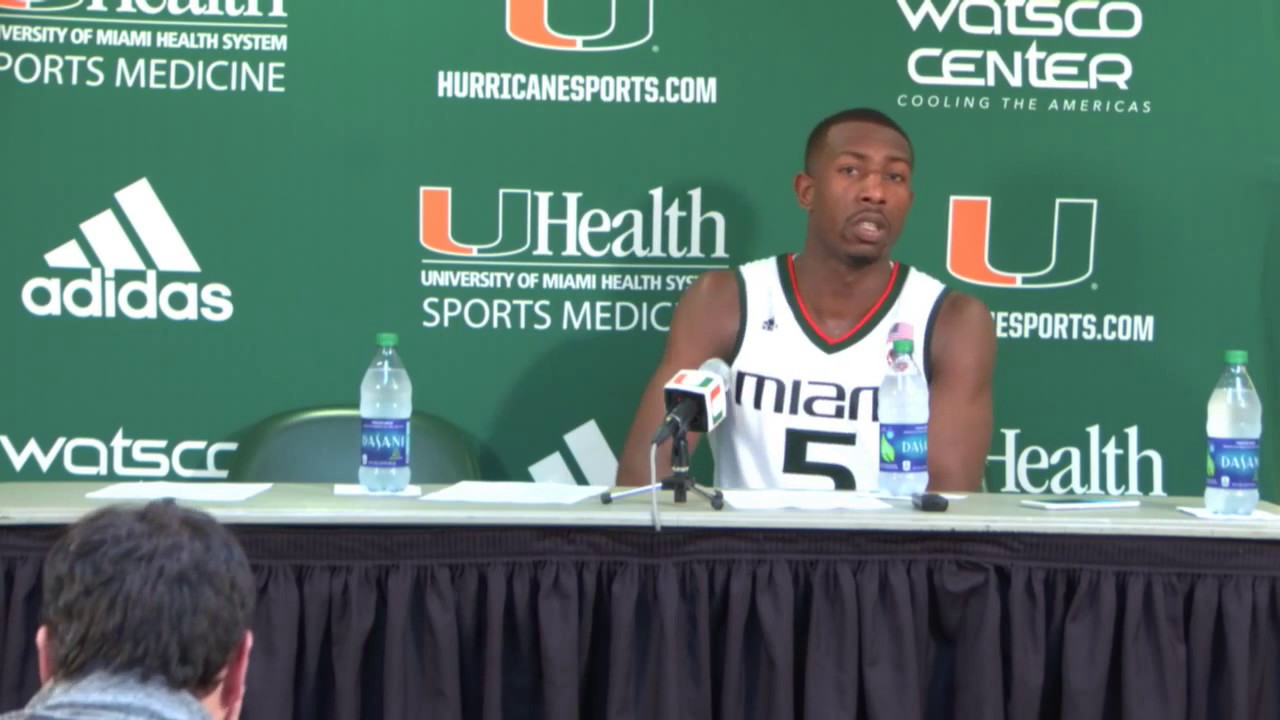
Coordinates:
[55,503]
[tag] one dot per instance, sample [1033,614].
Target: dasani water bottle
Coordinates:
[904,425]
[1234,427]
[386,402]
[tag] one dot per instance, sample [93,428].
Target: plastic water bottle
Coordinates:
[904,425]
[386,402]
[1234,427]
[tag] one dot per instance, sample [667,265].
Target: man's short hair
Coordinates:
[869,115]
[159,591]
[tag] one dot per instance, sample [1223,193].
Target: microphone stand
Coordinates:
[680,480]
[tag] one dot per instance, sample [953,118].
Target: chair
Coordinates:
[322,445]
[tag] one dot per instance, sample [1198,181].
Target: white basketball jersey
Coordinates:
[803,406]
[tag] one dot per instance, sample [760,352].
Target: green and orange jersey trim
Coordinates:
[820,339]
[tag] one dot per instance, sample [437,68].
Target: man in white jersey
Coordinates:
[807,336]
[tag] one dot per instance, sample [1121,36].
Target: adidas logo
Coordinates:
[102,294]
[588,450]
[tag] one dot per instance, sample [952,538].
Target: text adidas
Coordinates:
[143,299]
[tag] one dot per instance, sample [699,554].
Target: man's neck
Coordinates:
[840,281]
[837,292]
[841,275]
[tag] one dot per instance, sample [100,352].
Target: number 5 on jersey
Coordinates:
[795,458]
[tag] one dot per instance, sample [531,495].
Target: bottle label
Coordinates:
[1233,464]
[904,448]
[384,443]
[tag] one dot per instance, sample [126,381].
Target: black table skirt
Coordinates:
[564,623]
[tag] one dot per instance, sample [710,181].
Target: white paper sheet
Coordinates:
[1204,514]
[357,489]
[525,493]
[803,500]
[197,491]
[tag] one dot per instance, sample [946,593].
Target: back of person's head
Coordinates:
[160,592]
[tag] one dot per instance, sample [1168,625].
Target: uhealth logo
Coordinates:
[630,24]
[103,294]
[554,224]
[1070,256]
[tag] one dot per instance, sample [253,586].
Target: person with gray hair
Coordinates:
[146,616]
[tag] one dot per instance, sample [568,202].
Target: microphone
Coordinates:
[695,399]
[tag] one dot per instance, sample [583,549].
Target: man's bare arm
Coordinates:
[962,357]
[704,325]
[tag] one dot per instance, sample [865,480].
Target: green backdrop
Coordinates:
[521,189]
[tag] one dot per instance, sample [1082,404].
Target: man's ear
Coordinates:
[44,654]
[803,187]
[233,686]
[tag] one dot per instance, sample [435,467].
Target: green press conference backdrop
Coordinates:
[210,207]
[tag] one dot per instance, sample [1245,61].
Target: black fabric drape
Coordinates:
[563,623]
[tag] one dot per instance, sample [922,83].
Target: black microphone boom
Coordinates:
[694,400]
[677,420]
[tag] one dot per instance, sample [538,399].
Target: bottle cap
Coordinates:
[388,339]
[903,346]
[1237,357]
